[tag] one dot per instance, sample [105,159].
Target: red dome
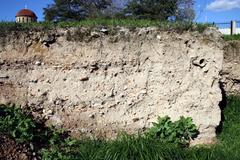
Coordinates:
[27,13]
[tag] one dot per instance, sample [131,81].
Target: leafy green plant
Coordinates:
[16,124]
[59,147]
[138,147]
[180,132]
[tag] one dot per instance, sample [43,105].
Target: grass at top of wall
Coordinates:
[182,26]
[231,37]
[130,147]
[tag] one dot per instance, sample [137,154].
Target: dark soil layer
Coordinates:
[10,150]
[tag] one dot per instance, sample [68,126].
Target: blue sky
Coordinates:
[9,8]
[206,10]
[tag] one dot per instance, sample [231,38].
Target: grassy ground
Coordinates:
[105,22]
[232,37]
[127,147]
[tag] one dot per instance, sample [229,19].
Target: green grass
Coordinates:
[232,37]
[136,147]
[22,127]
[12,26]
[230,135]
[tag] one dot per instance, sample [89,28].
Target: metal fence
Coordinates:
[229,28]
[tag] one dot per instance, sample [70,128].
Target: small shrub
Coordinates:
[180,132]
[59,148]
[16,124]
[134,147]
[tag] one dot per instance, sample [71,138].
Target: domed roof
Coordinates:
[27,13]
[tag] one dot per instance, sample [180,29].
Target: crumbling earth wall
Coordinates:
[231,68]
[102,81]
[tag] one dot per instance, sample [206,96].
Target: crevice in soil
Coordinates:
[222,105]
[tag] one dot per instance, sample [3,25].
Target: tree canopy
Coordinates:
[161,9]
[72,10]
[185,11]
[75,10]
[151,9]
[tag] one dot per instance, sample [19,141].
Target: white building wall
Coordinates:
[227,31]
[23,19]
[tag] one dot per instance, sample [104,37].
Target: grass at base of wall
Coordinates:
[232,37]
[130,147]
[182,26]
[138,148]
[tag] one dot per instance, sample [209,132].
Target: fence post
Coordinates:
[233,27]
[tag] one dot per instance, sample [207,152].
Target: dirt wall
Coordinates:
[101,81]
[231,68]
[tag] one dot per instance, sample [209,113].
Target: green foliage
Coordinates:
[232,37]
[125,147]
[180,10]
[151,9]
[24,129]
[185,11]
[59,148]
[179,132]
[7,27]
[16,124]
[75,10]
[229,137]
[137,147]
[201,27]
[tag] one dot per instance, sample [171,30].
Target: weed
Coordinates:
[164,25]
[180,132]
[15,123]
[24,129]
[231,37]
[133,147]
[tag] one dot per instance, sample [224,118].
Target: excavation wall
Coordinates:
[231,68]
[101,81]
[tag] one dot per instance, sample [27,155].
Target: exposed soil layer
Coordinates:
[231,68]
[99,83]
[10,150]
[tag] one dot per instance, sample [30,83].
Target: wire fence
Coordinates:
[228,28]
[223,25]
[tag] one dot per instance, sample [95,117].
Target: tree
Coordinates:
[96,8]
[185,10]
[74,10]
[161,9]
[151,9]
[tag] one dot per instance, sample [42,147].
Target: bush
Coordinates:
[180,132]
[16,124]
[24,129]
[132,147]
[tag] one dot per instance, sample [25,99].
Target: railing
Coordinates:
[229,28]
